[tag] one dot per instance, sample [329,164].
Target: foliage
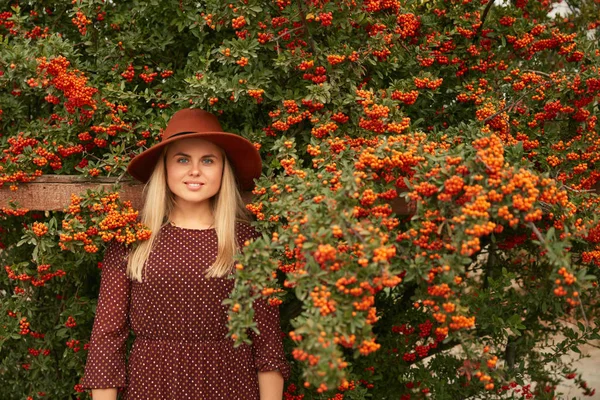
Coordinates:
[481,115]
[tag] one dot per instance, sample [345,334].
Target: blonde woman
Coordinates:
[169,290]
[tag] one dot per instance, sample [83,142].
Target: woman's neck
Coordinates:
[192,218]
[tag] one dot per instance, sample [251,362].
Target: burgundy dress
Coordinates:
[181,350]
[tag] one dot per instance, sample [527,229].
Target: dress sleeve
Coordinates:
[267,347]
[105,366]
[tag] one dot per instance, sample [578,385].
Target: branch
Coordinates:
[546,206]
[538,72]
[286,33]
[512,104]
[510,353]
[483,17]
[507,107]
[587,323]
[306,32]
[121,177]
[576,190]
[537,232]
[86,154]
[541,238]
[490,266]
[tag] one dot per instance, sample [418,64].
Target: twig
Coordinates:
[286,33]
[512,104]
[572,323]
[306,32]
[86,154]
[120,177]
[490,266]
[537,72]
[537,232]
[483,17]
[587,323]
[405,47]
[576,190]
[57,19]
[545,205]
[541,238]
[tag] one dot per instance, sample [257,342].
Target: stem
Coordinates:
[577,191]
[537,72]
[512,104]
[121,177]
[86,154]
[57,19]
[491,270]
[537,233]
[306,32]
[587,323]
[54,350]
[508,106]
[286,33]
[292,310]
[483,18]
[510,353]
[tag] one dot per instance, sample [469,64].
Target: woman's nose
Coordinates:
[195,169]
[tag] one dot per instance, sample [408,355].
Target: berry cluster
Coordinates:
[81,22]
[102,218]
[73,84]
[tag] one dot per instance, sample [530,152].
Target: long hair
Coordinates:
[227,207]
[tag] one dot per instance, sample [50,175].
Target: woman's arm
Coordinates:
[105,366]
[104,394]
[270,384]
[267,347]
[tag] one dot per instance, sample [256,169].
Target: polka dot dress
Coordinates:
[180,349]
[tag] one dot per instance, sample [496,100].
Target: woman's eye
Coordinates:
[207,161]
[182,160]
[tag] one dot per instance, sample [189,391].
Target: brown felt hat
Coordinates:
[196,123]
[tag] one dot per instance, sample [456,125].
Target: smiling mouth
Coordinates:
[194,185]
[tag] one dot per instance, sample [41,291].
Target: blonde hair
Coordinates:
[227,208]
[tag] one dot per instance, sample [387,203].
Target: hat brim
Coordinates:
[241,154]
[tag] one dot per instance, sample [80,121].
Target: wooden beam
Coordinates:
[53,192]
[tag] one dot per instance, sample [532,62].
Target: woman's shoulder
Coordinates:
[245,231]
[117,248]
[116,254]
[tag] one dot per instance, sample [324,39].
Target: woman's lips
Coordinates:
[194,185]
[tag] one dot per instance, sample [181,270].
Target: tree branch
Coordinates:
[306,32]
[483,18]
[513,103]
[537,232]
[537,72]
[576,190]
[510,353]
[286,33]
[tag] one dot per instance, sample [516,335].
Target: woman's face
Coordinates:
[194,171]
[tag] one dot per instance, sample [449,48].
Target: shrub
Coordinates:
[480,116]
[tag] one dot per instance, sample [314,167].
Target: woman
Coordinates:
[170,289]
